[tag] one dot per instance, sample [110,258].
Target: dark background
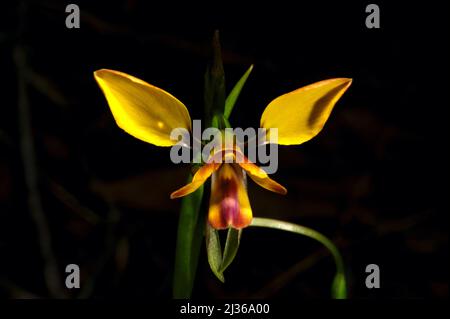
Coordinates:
[375,180]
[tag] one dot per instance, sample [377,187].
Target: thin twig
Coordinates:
[280,281]
[15,291]
[72,202]
[110,246]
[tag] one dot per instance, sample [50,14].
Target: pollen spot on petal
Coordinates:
[160,124]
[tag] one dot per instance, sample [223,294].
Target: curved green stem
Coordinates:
[339,289]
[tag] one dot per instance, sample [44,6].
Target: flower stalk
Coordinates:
[339,286]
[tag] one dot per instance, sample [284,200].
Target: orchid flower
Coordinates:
[150,114]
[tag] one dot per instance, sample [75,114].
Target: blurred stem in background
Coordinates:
[52,276]
[51,270]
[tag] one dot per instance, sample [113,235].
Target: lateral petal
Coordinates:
[199,178]
[142,110]
[260,177]
[301,114]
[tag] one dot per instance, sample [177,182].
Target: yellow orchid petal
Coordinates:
[198,180]
[260,177]
[229,205]
[301,114]
[142,110]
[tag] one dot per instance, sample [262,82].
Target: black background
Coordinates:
[375,180]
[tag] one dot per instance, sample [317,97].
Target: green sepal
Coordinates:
[231,247]
[214,251]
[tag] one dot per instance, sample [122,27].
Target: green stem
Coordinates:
[339,285]
[189,238]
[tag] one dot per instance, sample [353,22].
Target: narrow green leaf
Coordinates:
[231,247]
[214,83]
[234,94]
[339,285]
[189,237]
[214,251]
